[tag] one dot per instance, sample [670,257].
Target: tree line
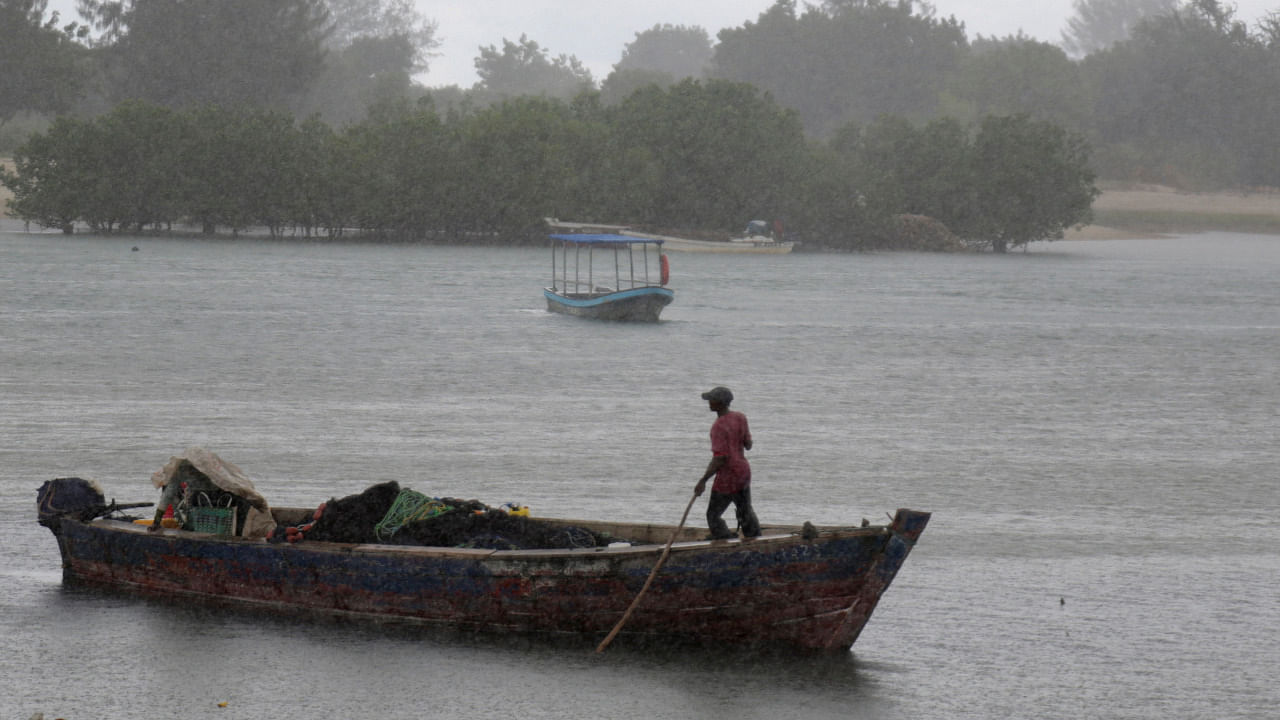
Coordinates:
[695,155]
[1173,92]
[1179,92]
[331,57]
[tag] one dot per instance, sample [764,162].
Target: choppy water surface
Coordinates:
[1093,424]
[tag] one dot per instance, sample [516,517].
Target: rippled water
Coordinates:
[1093,424]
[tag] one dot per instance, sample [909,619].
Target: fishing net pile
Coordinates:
[387,513]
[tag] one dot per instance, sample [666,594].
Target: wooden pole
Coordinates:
[661,559]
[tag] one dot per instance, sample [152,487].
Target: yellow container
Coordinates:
[164,522]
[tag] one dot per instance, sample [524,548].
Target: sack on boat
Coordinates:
[258,524]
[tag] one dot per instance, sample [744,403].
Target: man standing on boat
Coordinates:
[730,437]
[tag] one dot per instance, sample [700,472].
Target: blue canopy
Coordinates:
[605,239]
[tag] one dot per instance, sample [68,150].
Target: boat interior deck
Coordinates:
[644,533]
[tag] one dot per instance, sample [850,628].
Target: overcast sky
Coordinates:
[595,31]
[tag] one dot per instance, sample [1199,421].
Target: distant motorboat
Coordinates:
[759,244]
[755,240]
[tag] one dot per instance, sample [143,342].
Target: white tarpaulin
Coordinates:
[226,476]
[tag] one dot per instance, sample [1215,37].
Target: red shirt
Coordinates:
[729,434]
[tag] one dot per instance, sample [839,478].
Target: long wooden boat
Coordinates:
[636,268]
[811,588]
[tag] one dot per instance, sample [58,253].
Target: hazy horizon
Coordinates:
[579,27]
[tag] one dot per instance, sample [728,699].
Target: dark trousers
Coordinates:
[741,500]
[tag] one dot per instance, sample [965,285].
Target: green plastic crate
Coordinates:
[214,520]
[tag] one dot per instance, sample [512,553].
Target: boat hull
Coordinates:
[642,304]
[759,246]
[780,591]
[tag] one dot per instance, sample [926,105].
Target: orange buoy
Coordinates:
[665,266]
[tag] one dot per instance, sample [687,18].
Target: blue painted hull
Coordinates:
[642,304]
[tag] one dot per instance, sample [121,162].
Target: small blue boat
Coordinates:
[580,285]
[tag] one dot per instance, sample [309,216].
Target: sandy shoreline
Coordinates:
[1203,207]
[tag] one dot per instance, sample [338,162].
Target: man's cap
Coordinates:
[719,394]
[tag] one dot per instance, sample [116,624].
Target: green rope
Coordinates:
[407,502]
[430,509]
[409,506]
